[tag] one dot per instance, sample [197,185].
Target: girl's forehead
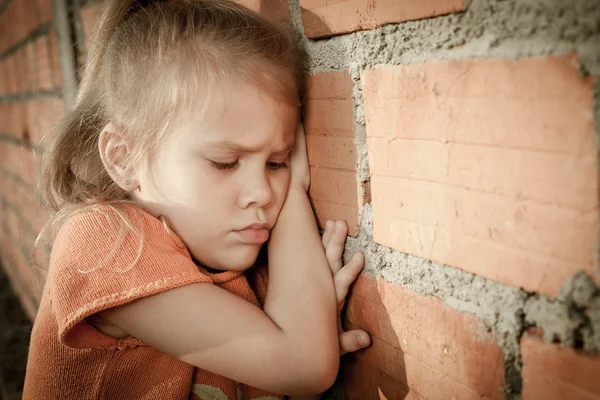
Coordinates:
[231,103]
[248,120]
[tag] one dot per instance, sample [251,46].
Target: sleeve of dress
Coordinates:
[108,257]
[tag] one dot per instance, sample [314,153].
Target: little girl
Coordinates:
[182,157]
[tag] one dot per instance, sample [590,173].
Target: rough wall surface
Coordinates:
[30,105]
[460,142]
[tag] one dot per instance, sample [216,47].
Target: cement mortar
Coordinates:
[487,29]
[555,318]
[362,155]
[591,331]
[498,306]
[572,320]
[578,291]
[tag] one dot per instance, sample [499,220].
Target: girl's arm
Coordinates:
[290,348]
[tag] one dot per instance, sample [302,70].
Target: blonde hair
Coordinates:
[148,61]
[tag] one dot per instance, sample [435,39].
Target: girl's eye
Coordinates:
[276,165]
[223,166]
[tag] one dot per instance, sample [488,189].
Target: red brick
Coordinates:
[552,372]
[423,345]
[16,31]
[8,192]
[45,8]
[21,79]
[30,286]
[10,75]
[329,125]
[334,186]
[23,163]
[5,155]
[15,121]
[43,115]
[325,211]
[32,112]
[479,173]
[328,107]
[55,57]
[331,152]
[45,74]
[37,217]
[335,195]
[363,382]
[19,287]
[4,33]
[32,213]
[4,83]
[26,17]
[89,17]
[325,18]
[273,10]
[31,65]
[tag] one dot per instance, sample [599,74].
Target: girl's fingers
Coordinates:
[345,276]
[335,247]
[353,340]
[329,227]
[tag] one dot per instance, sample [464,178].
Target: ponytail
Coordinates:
[114,14]
[72,171]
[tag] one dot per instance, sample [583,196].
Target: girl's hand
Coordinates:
[299,161]
[333,240]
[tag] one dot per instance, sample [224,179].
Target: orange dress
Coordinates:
[90,271]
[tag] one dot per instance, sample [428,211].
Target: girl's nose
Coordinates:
[256,191]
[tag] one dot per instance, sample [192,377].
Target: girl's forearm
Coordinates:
[301,297]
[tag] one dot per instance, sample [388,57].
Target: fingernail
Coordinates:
[364,339]
[356,255]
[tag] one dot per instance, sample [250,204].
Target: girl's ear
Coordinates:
[116,157]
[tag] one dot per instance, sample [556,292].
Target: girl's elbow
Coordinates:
[326,378]
[321,374]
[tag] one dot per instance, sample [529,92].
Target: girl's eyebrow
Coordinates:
[244,149]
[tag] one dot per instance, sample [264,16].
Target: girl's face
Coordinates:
[220,171]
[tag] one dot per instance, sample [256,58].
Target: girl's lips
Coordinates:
[254,236]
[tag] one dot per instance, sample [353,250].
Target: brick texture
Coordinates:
[43,114]
[486,165]
[420,348]
[273,10]
[44,73]
[55,58]
[45,9]
[28,65]
[551,372]
[21,78]
[9,75]
[325,18]
[89,17]
[329,126]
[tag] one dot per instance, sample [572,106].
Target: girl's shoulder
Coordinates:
[104,218]
[119,237]
[111,224]
[108,256]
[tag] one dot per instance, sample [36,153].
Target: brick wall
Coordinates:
[459,141]
[30,105]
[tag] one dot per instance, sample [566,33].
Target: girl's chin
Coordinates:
[240,263]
